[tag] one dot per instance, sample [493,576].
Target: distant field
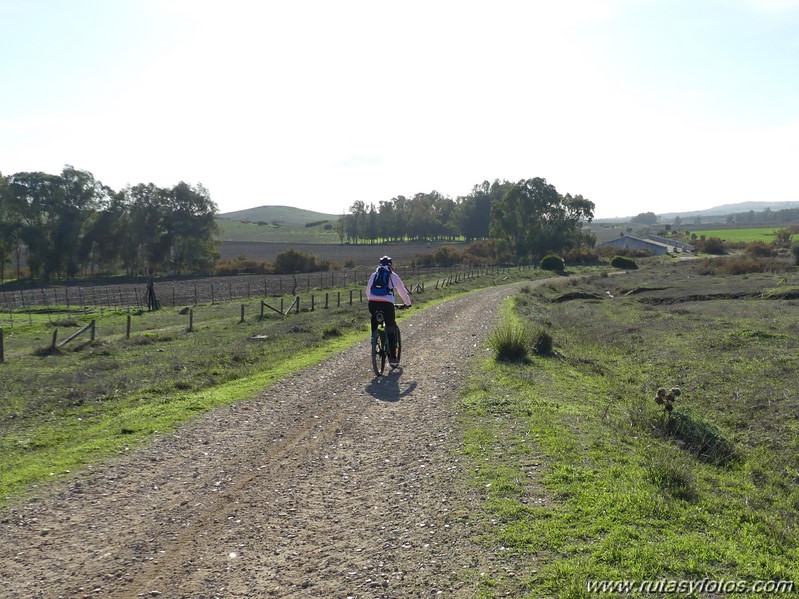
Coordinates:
[235,230]
[741,235]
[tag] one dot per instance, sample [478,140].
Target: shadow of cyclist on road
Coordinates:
[389,388]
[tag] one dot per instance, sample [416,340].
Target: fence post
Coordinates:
[191,320]
[55,338]
[242,314]
[297,311]
[327,299]
[338,299]
[262,310]
[313,303]
[92,333]
[350,297]
[2,352]
[127,329]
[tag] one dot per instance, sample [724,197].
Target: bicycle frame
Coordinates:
[380,344]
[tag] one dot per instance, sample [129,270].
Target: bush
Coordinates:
[759,249]
[510,341]
[241,265]
[624,263]
[292,261]
[714,245]
[582,257]
[553,263]
[542,343]
[703,439]
[741,265]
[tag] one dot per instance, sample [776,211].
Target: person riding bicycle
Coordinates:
[381,299]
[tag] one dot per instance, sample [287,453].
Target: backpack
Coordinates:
[382,282]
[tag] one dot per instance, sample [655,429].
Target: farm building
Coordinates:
[628,242]
[678,245]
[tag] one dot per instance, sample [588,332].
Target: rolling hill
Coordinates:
[283,215]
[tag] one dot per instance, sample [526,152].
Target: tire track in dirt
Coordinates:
[332,483]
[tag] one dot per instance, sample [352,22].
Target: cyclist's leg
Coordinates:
[373,309]
[391,322]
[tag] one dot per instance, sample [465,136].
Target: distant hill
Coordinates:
[725,209]
[284,215]
[717,212]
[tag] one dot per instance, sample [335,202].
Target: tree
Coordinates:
[532,219]
[9,226]
[645,218]
[190,226]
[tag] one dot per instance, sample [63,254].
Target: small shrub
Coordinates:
[330,332]
[553,263]
[624,263]
[713,245]
[510,341]
[759,249]
[542,343]
[292,261]
[702,438]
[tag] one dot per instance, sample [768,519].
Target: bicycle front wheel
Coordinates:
[379,352]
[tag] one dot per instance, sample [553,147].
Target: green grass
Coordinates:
[744,235]
[587,478]
[62,410]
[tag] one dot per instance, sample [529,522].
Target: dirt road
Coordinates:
[331,483]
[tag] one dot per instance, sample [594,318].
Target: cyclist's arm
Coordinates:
[403,292]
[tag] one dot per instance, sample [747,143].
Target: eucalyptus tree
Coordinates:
[532,218]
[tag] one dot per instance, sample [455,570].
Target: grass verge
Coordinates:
[583,477]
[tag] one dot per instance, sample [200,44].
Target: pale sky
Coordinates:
[638,105]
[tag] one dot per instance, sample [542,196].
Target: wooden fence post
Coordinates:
[313,303]
[327,299]
[127,329]
[2,352]
[350,297]
[191,320]
[242,314]
[55,339]
[338,299]
[93,325]
[298,304]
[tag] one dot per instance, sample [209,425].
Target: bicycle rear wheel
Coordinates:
[379,352]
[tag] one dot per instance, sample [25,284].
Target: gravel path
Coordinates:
[331,483]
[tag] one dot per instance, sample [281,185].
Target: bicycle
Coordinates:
[380,346]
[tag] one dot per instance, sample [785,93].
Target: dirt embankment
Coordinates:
[329,484]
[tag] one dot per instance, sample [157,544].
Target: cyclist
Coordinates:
[382,300]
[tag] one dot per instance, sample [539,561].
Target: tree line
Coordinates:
[71,224]
[523,220]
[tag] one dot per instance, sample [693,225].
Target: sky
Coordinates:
[637,105]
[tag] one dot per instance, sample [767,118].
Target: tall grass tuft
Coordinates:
[702,438]
[511,341]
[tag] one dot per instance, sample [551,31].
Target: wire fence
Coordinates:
[174,293]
